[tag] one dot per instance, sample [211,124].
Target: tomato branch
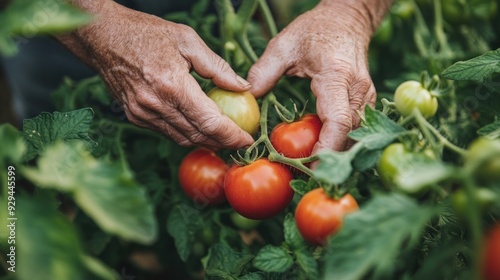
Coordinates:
[268,17]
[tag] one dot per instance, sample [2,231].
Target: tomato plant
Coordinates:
[105,197]
[319,216]
[297,139]
[491,255]
[258,190]
[241,107]
[412,95]
[201,175]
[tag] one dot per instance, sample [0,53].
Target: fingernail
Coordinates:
[242,82]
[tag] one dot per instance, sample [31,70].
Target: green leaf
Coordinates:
[217,274]
[335,167]
[47,243]
[307,263]
[438,264]
[378,130]
[100,270]
[372,238]
[273,259]
[254,276]
[300,186]
[41,17]
[411,181]
[222,257]
[292,235]
[105,191]
[475,69]
[491,130]
[27,18]
[13,146]
[182,224]
[46,129]
[366,159]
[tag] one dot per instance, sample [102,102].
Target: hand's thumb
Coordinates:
[264,74]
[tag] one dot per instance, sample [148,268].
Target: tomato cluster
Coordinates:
[261,189]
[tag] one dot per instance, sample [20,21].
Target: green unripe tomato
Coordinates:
[243,222]
[198,249]
[482,148]
[395,159]
[410,95]
[240,107]
[207,236]
[403,9]
[484,197]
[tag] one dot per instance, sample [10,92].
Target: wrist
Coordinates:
[82,42]
[367,14]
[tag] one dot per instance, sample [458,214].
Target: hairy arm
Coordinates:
[145,62]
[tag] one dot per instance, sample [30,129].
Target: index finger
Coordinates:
[207,118]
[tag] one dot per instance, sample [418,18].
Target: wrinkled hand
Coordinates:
[145,62]
[328,45]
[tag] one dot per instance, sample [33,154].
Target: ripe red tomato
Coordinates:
[259,190]
[201,175]
[318,216]
[297,139]
[491,255]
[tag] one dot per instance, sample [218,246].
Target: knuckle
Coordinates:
[197,138]
[211,125]
[343,121]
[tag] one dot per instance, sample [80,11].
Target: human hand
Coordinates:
[328,45]
[145,62]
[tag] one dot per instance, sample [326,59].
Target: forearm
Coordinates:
[80,41]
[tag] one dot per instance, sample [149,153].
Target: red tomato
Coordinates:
[491,255]
[297,139]
[201,175]
[259,190]
[319,216]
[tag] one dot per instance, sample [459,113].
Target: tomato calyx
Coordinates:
[288,116]
[431,84]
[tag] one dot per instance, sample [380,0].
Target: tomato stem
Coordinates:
[268,17]
[293,92]
[274,156]
[438,29]
[443,139]
[388,106]
[473,216]
[119,147]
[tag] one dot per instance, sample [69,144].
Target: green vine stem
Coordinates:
[473,214]
[418,36]
[239,26]
[274,156]
[430,132]
[268,17]
[388,106]
[438,29]
[292,91]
